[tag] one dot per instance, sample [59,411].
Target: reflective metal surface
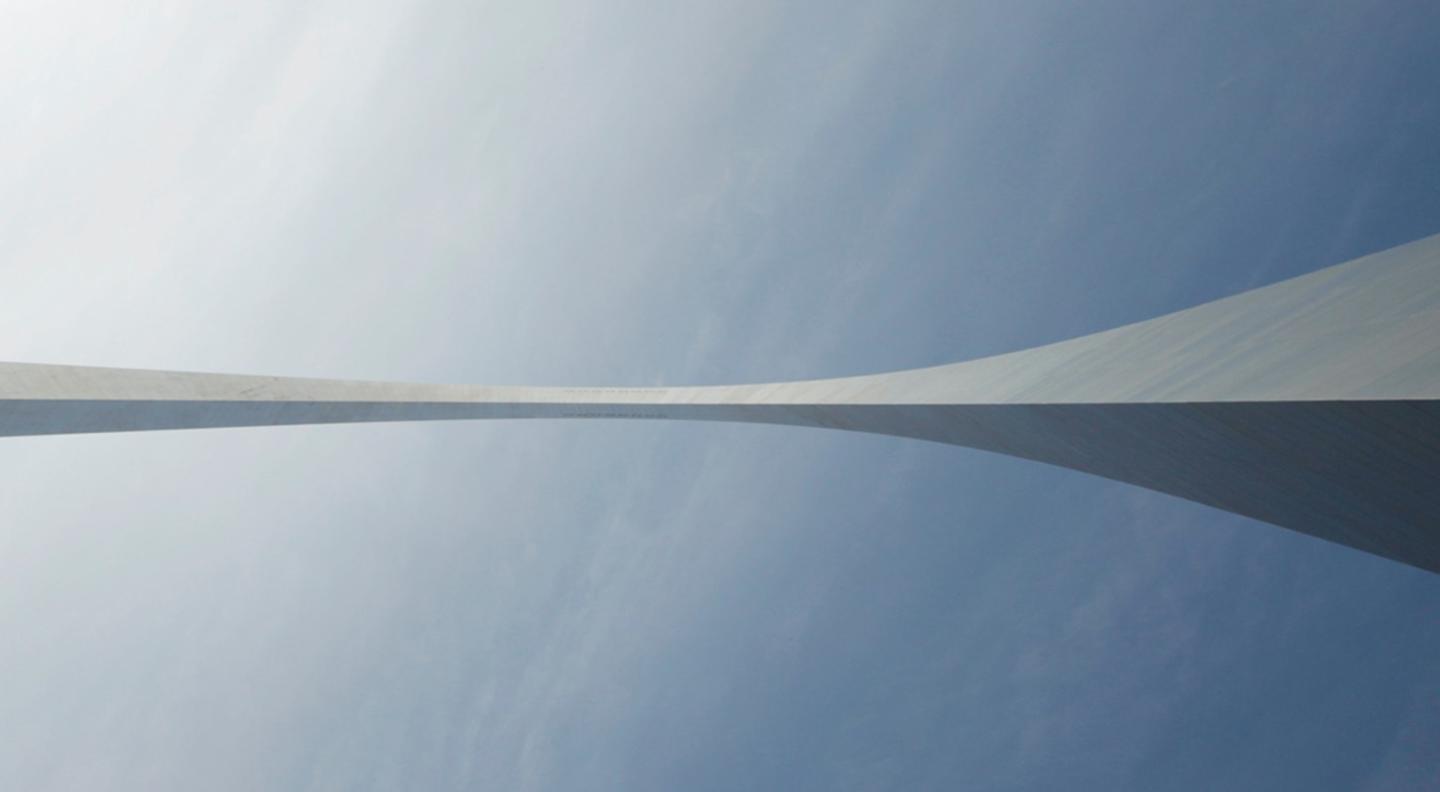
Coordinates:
[1313,404]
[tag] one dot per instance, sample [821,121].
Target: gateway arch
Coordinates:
[1312,404]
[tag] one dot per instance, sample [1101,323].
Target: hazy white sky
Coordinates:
[547,193]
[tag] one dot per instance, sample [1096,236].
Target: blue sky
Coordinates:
[553,193]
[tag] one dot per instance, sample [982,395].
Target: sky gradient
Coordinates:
[681,193]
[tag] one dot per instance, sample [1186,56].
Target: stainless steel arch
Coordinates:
[1312,404]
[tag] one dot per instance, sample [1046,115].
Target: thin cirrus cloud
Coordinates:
[551,193]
